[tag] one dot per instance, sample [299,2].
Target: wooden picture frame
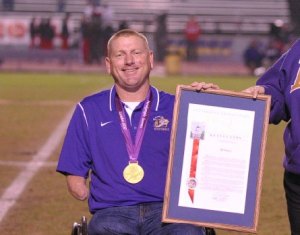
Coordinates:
[216,160]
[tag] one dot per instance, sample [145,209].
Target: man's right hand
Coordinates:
[255,90]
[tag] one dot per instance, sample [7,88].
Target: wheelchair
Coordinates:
[81,228]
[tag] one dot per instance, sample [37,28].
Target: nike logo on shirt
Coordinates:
[104,123]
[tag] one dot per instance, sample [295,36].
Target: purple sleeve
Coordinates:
[75,158]
[274,83]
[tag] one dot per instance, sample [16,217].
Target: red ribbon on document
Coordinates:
[192,180]
[197,135]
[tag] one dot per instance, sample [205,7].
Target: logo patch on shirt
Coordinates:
[296,84]
[161,123]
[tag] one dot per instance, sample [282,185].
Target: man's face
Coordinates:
[129,62]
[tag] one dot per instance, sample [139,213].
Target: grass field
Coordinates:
[31,107]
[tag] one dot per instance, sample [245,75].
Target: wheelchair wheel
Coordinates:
[80,228]
[84,225]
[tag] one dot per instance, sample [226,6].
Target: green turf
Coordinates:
[32,104]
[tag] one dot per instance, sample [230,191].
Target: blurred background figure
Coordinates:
[85,39]
[192,34]
[253,56]
[273,51]
[161,37]
[96,40]
[61,5]
[47,34]
[65,32]
[108,31]
[34,33]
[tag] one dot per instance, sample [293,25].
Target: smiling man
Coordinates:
[129,62]
[114,138]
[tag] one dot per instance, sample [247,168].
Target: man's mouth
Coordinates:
[129,70]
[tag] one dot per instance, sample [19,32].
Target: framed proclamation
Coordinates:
[216,159]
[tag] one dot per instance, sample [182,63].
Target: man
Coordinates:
[112,136]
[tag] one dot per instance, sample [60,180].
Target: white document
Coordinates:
[223,158]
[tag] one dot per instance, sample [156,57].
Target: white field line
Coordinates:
[24,164]
[16,188]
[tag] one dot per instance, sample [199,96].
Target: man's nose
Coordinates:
[129,59]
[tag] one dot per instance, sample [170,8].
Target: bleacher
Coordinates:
[215,16]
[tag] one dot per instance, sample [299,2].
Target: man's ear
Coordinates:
[107,64]
[151,59]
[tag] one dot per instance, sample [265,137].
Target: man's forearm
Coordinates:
[77,187]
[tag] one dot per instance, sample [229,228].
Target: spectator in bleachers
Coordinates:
[161,37]
[253,56]
[192,34]
[47,34]
[85,39]
[34,32]
[65,33]
[96,40]
[108,31]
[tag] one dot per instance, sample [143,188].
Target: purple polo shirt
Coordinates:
[94,144]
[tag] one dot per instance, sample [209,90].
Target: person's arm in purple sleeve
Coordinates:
[272,83]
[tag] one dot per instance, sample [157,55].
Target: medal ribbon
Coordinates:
[193,168]
[133,149]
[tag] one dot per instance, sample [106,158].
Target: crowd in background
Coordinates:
[97,26]
[43,33]
[258,55]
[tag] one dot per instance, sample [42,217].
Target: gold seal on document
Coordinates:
[133,173]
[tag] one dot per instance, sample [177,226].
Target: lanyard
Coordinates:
[133,149]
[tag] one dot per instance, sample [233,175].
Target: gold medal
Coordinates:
[133,173]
